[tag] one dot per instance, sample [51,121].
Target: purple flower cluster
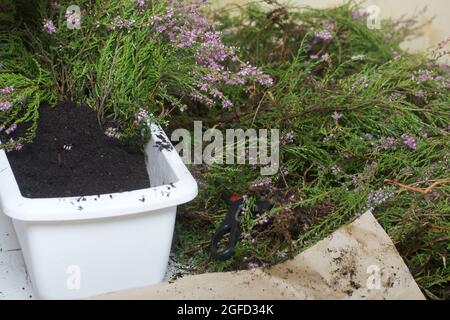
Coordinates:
[440,51]
[336,170]
[49,26]
[264,221]
[388,143]
[378,198]
[325,57]
[141,117]
[121,23]
[261,183]
[19,146]
[112,133]
[422,76]
[253,265]
[13,146]
[6,105]
[409,141]
[188,28]
[336,116]
[7,90]
[392,143]
[10,130]
[288,138]
[325,34]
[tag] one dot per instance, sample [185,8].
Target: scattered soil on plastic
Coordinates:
[71,156]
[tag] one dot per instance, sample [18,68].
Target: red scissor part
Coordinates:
[235,198]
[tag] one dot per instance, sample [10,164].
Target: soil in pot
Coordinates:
[71,156]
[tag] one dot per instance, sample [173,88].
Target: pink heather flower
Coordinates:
[11,129]
[19,147]
[185,26]
[261,183]
[388,143]
[141,117]
[264,221]
[253,265]
[7,90]
[336,116]
[288,138]
[409,141]
[423,76]
[324,35]
[112,133]
[328,24]
[446,84]
[227,104]
[378,198]
[49,26]
[336,170]
[5,105]
[325,57]
[10,149]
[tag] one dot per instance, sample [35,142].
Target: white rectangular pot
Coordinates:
[80,247]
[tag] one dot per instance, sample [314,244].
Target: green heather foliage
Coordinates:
[25,85]
[354,110]
[130,60]
[117,72]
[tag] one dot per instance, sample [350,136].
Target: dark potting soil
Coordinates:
[71,157]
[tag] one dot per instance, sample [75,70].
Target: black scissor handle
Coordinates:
[230,226]
[234,231]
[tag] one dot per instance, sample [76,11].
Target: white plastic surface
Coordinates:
[15,283]
[81,247]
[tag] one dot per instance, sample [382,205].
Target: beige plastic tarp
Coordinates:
[359,261]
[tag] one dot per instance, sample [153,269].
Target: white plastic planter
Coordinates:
[80,247]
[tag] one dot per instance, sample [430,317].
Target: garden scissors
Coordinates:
[231,226]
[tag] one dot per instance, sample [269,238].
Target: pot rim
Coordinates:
[170,194]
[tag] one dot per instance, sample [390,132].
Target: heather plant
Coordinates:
[365,127]
[24,86]
[131,60]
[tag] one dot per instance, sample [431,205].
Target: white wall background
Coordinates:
[433,33]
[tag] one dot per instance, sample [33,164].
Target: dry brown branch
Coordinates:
[419,190]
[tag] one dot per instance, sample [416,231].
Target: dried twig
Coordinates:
[419,190]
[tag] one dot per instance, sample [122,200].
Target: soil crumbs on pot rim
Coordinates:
[71,156]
